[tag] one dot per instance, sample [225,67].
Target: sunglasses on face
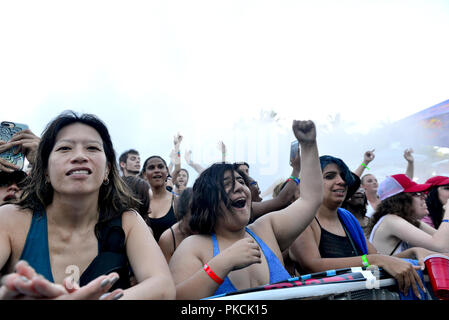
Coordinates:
[6,184]
[419,194]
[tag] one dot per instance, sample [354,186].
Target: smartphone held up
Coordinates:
[294,150]
[13,154]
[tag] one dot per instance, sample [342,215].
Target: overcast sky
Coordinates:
[208,68]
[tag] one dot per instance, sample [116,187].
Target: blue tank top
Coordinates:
[35,251]
[111,252]
[275,267]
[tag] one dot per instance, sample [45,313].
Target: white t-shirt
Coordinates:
[369,210]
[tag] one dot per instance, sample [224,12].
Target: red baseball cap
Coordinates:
[438,181]
[398,183]
[410,185]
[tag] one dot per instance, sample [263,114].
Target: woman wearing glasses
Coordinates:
[397,225]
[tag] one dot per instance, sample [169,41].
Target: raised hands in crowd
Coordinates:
[322,217]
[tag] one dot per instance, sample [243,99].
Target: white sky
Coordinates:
[152,68]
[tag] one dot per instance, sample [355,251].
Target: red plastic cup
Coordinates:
[437,266]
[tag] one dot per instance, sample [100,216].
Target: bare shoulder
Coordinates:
[12,216]
[263,224]
[131,218]
[14,225]
[394,219]
[394,224]
[198,245]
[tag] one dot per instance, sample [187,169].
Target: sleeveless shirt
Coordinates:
[111,252]
[275,267]
[159,225]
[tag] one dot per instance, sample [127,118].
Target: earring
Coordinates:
[106,182]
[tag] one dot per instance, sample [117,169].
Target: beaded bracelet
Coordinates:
[295,179]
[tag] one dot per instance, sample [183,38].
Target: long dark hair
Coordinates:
[114,197]
[400,204]
[140,189]
[435,207]
[184,204]
[208,192]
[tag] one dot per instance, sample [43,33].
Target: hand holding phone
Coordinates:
[11,155]
[294,150]
[295,156]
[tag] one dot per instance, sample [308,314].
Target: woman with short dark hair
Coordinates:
[242,255]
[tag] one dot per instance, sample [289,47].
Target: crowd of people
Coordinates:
[140,232]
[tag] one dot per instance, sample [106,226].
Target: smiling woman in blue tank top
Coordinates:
[73,230]
[227,254]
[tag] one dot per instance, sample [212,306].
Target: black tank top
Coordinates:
[335,246]
[159,225]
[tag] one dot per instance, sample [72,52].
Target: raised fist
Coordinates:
[304,131]
[368,156]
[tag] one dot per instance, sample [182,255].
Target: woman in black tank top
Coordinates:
[156,172]
[335,246]
[326,243]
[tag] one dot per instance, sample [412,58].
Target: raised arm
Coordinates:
[175,158]
[288,223]
[367,158]
[222,148]
[175,155]
[194,165]
[410,162]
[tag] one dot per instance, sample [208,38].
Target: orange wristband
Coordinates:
[212,274]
